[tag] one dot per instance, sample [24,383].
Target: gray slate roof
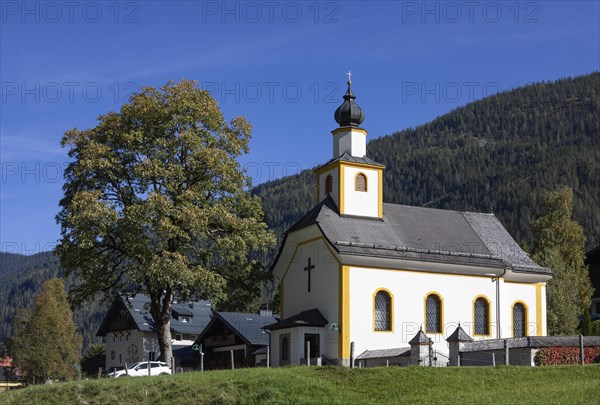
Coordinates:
[248,326]
[424,234]
[384,353]
[138,308]
[419,339]
[459,335]
[346,157]
[311,317]
[530,341]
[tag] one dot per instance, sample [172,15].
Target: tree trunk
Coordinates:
[161,313]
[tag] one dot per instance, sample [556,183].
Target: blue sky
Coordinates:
[281,64]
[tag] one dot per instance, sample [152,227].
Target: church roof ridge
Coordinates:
[422,234]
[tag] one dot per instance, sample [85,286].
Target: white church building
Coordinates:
[356,269]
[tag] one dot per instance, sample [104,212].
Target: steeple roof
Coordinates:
[349,114]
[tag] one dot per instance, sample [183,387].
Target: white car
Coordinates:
[141,369]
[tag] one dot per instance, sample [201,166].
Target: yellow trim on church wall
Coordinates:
[441,312]
[380,196]
[338,130]
[318,189]
[342,195]
[538,308]
[391,310]
[344,312]
[489,307]
[333,165]
[281,299]
[512,317]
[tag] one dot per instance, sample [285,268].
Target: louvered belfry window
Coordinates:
[519,320]
[360,182]
[383,311]
[433,315]
[482,321]
[328,184]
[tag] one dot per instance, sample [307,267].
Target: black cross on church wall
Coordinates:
[309,268]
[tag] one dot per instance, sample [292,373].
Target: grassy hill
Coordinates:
[328,385]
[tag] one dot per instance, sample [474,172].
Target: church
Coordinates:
[359,273]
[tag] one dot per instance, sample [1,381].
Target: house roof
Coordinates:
[249,327]
[424,234]
[137,308]
[311,317]
[384,353]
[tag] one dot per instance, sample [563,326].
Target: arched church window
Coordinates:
[433,313]
[382,311]
[328,184]
[481,311]
[285,348]
[360,182]
[519,320]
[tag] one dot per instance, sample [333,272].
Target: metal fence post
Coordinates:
[308,352]
[232,362]
[351,354]
[268,355]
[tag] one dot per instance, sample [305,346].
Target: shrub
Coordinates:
[551,356]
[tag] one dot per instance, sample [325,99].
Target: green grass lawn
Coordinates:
[416,385]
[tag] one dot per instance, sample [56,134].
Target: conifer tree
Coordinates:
[45,345]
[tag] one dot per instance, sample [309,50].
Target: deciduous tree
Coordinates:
[156,198]
[559,245]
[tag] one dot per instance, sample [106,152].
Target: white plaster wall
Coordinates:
[353,142]
[512,292]
[324,289]
[358,202]
[120,343]
[335,191]
[297,348]
[409,289]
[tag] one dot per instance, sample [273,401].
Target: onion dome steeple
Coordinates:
[349,114]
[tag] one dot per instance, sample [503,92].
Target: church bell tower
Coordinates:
[354,182]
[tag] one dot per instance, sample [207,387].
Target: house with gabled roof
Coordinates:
[242,333]
[131,336]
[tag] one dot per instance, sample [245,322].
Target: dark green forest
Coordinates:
[500,154]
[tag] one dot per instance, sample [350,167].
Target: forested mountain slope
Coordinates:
[499,154]
[21,278]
